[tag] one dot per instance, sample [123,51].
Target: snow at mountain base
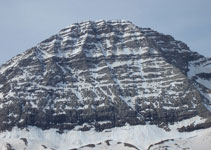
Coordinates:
[141,137]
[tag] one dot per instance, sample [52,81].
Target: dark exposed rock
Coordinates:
[89,145]
[130,145]
[193,127]
[161,142]
[25,141]
[108,144]
[9,147]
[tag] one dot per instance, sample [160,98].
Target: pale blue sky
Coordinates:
[24,23]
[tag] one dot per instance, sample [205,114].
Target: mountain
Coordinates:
[96,80]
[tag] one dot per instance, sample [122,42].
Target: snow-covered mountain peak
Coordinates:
[105,74]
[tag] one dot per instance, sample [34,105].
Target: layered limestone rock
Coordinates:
[104,74]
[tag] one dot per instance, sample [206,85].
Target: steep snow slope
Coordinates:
[202,140]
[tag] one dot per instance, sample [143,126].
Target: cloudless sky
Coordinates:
[24,23]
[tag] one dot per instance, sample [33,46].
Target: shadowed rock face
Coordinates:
[104,74]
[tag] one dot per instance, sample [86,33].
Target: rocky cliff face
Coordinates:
[104,74]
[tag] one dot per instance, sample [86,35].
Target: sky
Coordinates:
[25,23]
